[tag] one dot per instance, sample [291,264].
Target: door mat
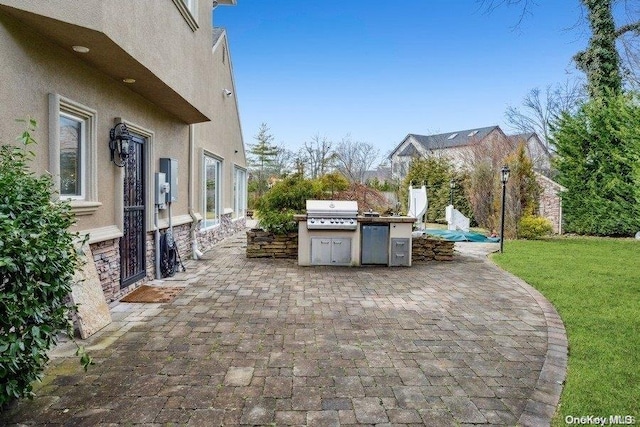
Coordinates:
[153,294]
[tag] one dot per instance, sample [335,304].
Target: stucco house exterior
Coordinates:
[85,71]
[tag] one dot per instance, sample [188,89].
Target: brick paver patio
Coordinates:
[265,342]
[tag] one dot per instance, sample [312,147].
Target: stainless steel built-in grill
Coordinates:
[332,215]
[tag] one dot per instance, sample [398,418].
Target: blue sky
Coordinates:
[378,70]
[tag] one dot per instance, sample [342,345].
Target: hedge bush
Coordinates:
[286,198]
[599,165]
[37,264]
[534,227]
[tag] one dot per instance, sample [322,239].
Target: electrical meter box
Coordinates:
[169,167]
[162,188]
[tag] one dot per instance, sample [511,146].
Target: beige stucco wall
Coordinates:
[177,104]
[33,67]
[153,32]
[222,136]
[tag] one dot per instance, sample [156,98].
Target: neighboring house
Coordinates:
[459,147]
[381,174]
[538,152]
[463,148]
[82,68]
[551,201]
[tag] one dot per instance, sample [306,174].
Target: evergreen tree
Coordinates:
[599,164]
[263,154]
[523,192]
[436,174]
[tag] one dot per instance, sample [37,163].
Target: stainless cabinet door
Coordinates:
[400,252]
[375,244]
[340,251]
[320,251]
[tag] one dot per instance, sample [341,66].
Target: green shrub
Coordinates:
[278,222]
[290,193]
[436,174]
[534,227]
[275,209]
[37,264]
[333,182]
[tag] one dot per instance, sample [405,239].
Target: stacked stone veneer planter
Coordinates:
[429,249]
[263,244]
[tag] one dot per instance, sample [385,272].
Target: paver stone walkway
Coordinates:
[265,342]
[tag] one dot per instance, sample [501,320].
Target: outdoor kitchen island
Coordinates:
[332,233]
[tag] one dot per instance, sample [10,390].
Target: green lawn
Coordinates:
[594,284]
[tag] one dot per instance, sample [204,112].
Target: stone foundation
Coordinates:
[263,244]
[429,249]
[181,234]
[207,238]
[106,256]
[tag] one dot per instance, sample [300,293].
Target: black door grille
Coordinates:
[132,243]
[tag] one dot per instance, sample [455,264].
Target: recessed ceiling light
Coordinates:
[80,49]
[129,80]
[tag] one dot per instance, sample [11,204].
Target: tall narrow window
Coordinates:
[73,153]
[212,194]
[239,193]
[72,143]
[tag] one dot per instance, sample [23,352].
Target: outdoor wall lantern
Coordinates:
[119,144]
[504,177]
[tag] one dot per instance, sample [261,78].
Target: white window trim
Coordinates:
[190,14]
[220,174]
[87,203]
[236,199]
[84,140]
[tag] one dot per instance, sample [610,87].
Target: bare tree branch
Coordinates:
[631,27]
[527,5]
[354,158]
[539,109]
[317,155]
[627,29]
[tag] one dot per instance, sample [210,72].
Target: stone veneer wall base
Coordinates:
[263,244]
[106,254]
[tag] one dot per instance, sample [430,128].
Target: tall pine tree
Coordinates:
[263,154]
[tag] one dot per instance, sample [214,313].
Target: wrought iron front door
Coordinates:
[132,243]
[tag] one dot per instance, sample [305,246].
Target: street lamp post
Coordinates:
[504,177]
[452,185]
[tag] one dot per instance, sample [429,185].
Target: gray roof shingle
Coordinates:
[217,33]
[453,139]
